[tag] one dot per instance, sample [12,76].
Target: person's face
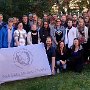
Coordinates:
[63,18]
[76,42]
[74,18]
[25,19]
[34,28]
[48,42]
[30,17]
[84,14]
[1,18]
[52,21]
[61,45]
[39,22]
[34,17]
[10,23]
[55,17]
[20,26]
[81,22]
[45,24]
[89,13]
[17,20]
[14,20]
[70,23]
[58,22]
[87,19]
[45,16]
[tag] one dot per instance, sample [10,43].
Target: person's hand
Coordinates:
[56,43]
[18,44]
[53,72]
[63,62]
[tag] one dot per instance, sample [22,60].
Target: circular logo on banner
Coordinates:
[23,58]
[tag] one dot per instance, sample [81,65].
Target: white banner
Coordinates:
[23,62]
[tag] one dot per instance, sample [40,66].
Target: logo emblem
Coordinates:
[23,58]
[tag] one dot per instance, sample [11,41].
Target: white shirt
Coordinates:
[69,38]
[20,36]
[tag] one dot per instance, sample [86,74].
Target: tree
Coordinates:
[17,8]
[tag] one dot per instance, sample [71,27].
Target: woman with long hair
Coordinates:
[82,35]
[76,57]
[61,56]
[44,32]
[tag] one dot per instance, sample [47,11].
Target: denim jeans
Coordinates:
[60,65]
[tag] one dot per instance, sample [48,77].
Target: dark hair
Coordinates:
[58,47]
[69,19]
[64,15]
[49,37]
[58,19]
[46,22]
[73,47]
[56,22]
[25,16]
[19,22]
[81,17]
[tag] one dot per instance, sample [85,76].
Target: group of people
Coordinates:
[66,38]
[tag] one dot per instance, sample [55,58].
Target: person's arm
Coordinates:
[1,37]
[75,33]
[64,32]
[86,34]
[52,33]
[53,60]
[16,38]
[53,65]
[63,62]
[39,39]
[41,35]
[29,38]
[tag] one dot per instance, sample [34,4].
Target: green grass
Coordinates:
[63,81]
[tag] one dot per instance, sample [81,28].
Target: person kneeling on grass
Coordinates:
[76,58]
[50,54]
[61,56]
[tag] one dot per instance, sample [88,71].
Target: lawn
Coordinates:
[63,81]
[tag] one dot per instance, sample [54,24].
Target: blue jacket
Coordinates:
[4,37]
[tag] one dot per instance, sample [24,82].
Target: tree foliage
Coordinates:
[17,8]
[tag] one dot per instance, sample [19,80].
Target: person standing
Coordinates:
[71,34]
[58,33]
[26,25]
[64,21]
[30,17]
[82,34]
[1,21]
[44,32]
[39,24]
[33,36]
[35,18]
[20,35]
[6,35]
[75,20]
